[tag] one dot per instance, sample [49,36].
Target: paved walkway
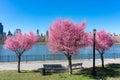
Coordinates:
[34,65]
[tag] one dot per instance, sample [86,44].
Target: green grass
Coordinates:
[111,72]
[31,75]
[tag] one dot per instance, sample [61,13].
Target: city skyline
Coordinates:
[30,15]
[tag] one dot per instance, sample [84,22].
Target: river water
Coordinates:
[42,52]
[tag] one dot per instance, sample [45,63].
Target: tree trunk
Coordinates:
[69,64]
[102,60]
[19,59]
[102,57]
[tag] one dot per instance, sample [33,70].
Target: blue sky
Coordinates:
[30,15]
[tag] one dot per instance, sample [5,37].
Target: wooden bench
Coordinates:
[77,66]
[53,68]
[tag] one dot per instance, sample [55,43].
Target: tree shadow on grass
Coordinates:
[110,70]
[40,70]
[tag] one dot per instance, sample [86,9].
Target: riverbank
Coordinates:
[34,65]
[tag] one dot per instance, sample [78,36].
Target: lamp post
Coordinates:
[93,70]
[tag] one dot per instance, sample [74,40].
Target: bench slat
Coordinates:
[76,66]
[53,67]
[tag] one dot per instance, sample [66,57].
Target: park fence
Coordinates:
[47,57]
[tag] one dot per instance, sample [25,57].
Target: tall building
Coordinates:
[47,33]
[1,29]
[37,31]
[9,33]
[16,31]
[46,36]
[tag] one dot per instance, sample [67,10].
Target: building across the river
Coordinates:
[1,29]
[16,31]
[42,38]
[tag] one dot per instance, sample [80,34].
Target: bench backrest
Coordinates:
[50,66]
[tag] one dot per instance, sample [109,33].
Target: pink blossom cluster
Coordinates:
[20,42]
[67,37]
[104,40]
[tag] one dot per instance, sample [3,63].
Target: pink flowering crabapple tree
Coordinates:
[103,42]
[67,37]
[20,43]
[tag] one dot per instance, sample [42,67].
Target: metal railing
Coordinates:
[26,58]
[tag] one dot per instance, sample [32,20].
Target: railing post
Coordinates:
[8,58]
[88,56]
[114,55]
[44,57]
[26,58]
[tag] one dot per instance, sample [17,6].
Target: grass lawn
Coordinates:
[31,75]
[111,72]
